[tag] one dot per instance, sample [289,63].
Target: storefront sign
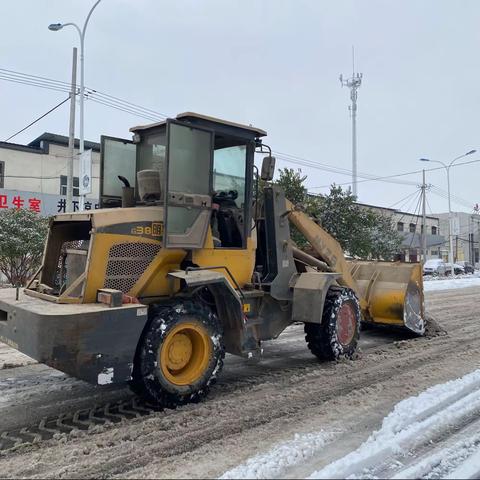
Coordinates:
[44,203]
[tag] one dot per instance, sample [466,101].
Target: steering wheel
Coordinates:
[223,196]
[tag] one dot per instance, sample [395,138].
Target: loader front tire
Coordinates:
[337,336]
[180,355]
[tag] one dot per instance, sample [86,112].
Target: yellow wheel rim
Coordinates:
[185,353]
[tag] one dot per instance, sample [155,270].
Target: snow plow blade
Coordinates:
[392,293]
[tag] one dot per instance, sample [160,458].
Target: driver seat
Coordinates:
[227,227]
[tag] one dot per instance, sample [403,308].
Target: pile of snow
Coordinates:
[448,283]
[273,463]
[434,278]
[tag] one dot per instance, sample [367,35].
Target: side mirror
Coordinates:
[268,168]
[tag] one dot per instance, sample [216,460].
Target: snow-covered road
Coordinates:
[435,434]
[432,435]
[289,414]
[445,283]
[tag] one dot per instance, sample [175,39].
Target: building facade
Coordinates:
[34,176]
[465,235]
[410,228]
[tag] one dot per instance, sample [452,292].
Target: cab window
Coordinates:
[229,170]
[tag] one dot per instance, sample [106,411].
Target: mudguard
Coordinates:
[238,339]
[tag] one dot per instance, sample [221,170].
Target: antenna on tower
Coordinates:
[353,84]
[353,61]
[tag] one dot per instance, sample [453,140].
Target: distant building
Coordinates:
[465,235]
[34,176]
[410,227]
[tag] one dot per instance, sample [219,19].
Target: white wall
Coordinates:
[36,172]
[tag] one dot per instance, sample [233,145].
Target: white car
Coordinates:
[436,266]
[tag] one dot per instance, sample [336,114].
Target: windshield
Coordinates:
[433,262]
[229,170]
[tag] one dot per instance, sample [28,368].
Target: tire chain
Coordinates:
[79,420]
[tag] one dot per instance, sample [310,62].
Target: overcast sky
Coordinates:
[274,64]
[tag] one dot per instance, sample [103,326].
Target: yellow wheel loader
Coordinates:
[187,260]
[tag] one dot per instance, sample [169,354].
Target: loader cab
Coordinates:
[199,168]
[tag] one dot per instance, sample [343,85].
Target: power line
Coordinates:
[123,109]
[426,199]
[37,119]
[28,75]
[122,106]
[134,109]
[93,94]
[113,104]
[52,83]
[149,114]
[402,174]
[443,194]
[119,100]
[322,166]
[33,83]
[403,201]
[328,168]
[60,84]
[415,198]
[416,221]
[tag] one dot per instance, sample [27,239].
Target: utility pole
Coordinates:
[71,134]
[470,220]
[353,83]
[424,219]
[450,218]
[81,32]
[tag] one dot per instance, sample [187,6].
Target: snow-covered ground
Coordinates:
[273,464]
[435,434]
[447,283]
[289,414]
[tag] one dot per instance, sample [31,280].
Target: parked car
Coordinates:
[435,266]
[467,267]
[457,268]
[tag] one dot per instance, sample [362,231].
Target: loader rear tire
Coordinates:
[179,356]
[337,336]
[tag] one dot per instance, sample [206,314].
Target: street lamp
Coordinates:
[55,27]
[447,168]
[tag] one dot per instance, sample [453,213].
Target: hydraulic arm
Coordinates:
[389,293]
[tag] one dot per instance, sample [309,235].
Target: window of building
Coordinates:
[2,174]
[63,186]
[421,229]
[413,227]
[400,226]
[434,230]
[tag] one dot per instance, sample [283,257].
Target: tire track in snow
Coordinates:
[413,423]
[445,458]
[468,469]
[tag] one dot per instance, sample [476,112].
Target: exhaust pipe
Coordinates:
[128,193]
